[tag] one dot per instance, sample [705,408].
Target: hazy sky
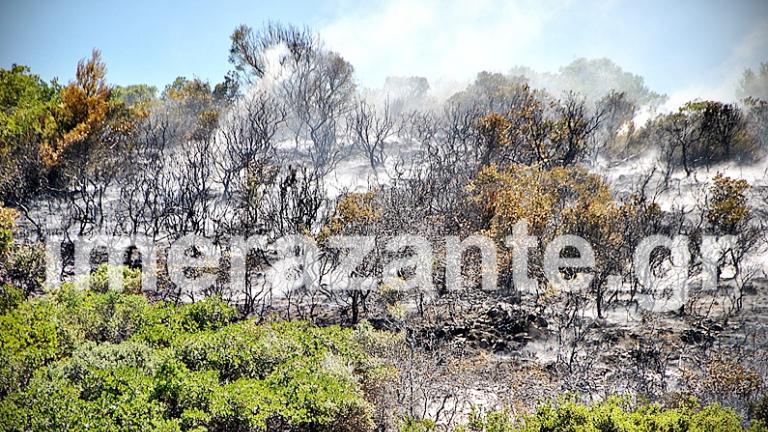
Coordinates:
[686,47]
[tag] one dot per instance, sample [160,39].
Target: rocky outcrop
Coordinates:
[501,328]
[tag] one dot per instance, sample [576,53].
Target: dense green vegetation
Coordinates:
[81,360]
[613,414]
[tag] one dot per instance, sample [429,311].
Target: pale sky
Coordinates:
[681,48]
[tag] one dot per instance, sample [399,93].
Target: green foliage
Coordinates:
[30,337]
[721,132]
[493,421]
[704,133]
[195,98]
[412,424]
[25,267]
[615,414]
[594,77]
[10,297]
[209,314]
[25,120]
[83,360]
[135,96]
[20,89]
[99,279]
[111,317]
[728,209]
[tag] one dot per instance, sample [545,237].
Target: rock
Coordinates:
[496,313]
[693,336]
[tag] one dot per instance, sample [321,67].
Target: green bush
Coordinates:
[82,360]
[411,424]
[110,317]
[10,297]
[31,336]
[211,313]
[493,421]
[99,279]
[615,414]
[25,267]
[166,322]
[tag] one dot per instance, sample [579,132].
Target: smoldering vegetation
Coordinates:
[289,143]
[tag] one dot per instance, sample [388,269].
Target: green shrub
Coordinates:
[99,279]
[715,418]
[168,322]
[10,297]
[31,337]
[493,421]
[183,390]
[412,424]
[82,360]
[110,317]
[51,402]
[25,267]
[211,313]
[615,414]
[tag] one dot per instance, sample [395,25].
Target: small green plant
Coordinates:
[412,424]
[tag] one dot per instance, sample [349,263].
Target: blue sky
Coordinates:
[680,47]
